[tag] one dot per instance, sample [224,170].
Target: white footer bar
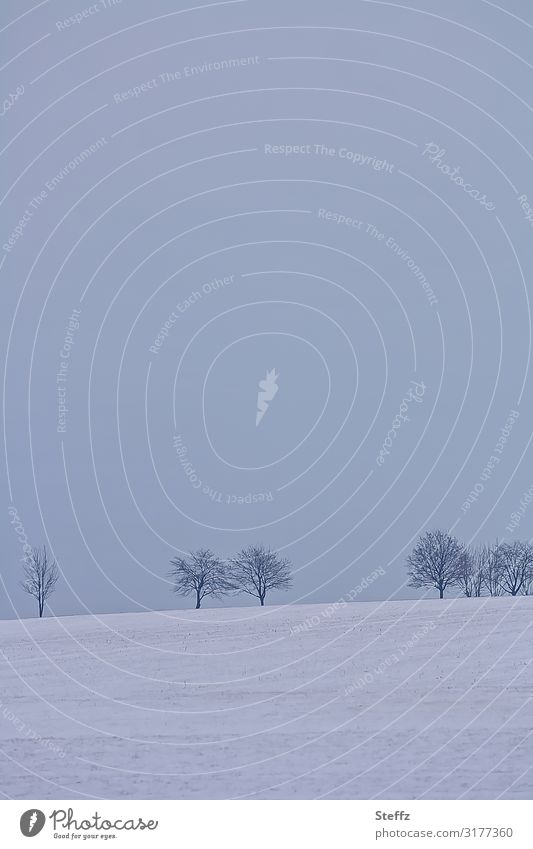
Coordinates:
[268,824]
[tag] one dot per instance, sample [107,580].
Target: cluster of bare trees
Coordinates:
[255,571]
[440,561]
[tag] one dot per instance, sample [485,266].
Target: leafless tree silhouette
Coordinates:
[517,567]
[492,567]
[471,572]
[256,570]
[201,573]
[40,576]
[436,561]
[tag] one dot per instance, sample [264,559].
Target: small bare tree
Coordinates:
[40,576]
[517,567]
[436,561]
[201,573]
[478,572]
[256,570]
[492,567]
[471,572]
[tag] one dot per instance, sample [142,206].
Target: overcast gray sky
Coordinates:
[195,197]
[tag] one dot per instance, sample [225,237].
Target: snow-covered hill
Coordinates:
[393,700]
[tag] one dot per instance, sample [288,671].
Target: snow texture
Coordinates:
[394,700]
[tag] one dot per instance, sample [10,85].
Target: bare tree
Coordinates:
[201,573]
[517,567]
[436,561]
[471,572]
[478,571]
[492,567]
[40,576]
[256,570]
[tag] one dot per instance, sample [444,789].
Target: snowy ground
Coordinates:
[392,700]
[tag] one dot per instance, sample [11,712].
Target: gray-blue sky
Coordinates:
[200,220]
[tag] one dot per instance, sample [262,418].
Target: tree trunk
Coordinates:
[262,600]
[441,593]
[198,601]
